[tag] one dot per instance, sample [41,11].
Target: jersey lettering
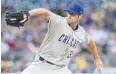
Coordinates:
[72,42]
[61,37]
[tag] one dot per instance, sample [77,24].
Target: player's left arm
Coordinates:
[93,49]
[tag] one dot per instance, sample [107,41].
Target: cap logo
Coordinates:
[72,5]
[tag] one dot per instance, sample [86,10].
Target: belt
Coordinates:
[42,59]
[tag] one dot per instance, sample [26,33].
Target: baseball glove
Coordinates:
[14,18]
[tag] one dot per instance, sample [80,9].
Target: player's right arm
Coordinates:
[53,18]
[40,12]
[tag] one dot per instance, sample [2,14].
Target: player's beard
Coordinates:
[70,21]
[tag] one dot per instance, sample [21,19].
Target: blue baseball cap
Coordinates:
[75,8]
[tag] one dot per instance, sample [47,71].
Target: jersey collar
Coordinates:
[76,28]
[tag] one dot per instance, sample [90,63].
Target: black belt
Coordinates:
[42,59]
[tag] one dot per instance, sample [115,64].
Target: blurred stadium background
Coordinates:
[18,46]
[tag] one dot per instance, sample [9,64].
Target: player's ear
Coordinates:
[80,16]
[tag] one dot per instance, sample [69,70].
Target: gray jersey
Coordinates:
[59,39]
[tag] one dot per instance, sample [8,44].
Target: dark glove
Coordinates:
[13,18]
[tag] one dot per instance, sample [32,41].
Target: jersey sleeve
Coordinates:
[54,20]
[87,38]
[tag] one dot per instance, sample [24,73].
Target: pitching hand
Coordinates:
[98,63]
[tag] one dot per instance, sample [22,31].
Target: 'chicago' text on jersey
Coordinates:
[68,40]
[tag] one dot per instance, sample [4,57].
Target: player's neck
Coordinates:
[73,25]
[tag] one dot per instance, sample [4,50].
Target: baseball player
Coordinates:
[63,34]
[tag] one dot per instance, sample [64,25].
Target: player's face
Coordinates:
[74,18]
